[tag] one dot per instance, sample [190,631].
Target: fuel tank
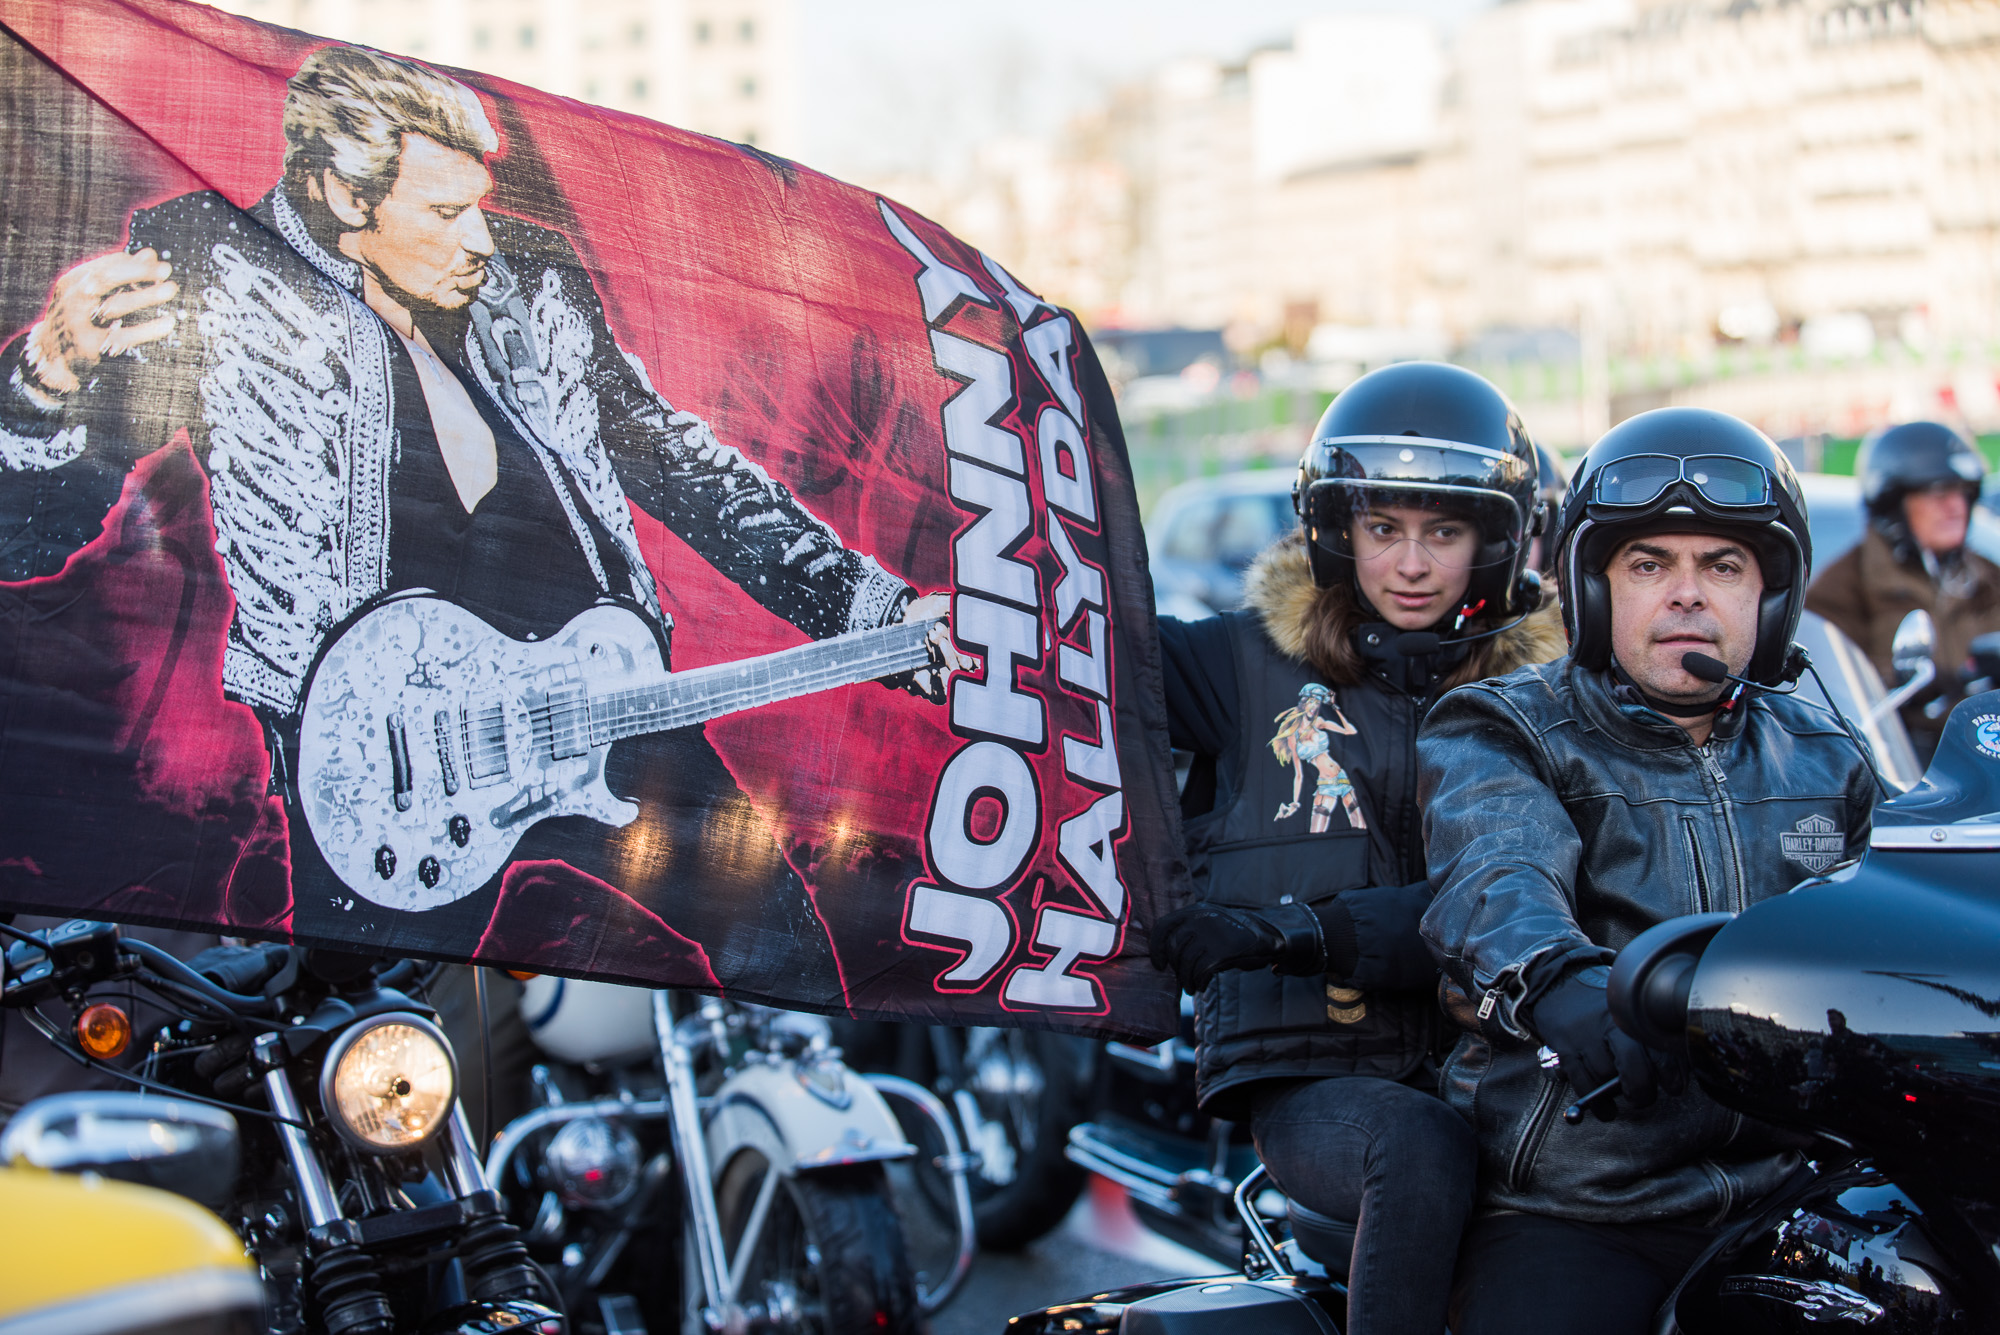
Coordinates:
[1867,1005]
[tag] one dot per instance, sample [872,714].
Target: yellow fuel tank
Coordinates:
[81,1255]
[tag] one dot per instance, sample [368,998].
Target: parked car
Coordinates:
[1203,535]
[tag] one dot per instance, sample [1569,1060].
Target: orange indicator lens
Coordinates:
[104,1030]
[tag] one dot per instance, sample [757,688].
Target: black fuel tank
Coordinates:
[1868,1005]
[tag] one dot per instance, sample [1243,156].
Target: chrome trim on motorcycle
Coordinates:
[954,1161]
[461,1157]
[1260,1237]
[516,1132]
[316,1194]
[1815,1299]
[689,1146]
[1966,834]
[753,1231]
[1146,1181]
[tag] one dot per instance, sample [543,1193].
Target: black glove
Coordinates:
[1201,940]
[1574,1018]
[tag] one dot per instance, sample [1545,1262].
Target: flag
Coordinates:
[441,518]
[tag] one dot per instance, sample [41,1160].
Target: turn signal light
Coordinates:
[521,975]
[104,1031]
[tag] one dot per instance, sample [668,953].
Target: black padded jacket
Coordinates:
[1228,681]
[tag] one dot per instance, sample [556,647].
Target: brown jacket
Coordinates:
[1868,592]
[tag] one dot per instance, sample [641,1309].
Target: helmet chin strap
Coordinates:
[1670,708]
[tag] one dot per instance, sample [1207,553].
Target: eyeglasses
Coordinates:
[1722,479]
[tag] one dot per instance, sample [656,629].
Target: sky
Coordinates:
[914,85]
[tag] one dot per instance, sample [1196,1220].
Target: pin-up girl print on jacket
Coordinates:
[1302,740]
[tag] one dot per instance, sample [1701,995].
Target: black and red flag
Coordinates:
[441,518]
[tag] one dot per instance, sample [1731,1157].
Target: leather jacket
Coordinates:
[1562,818]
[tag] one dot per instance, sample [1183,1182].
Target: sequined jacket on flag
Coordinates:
[283,378]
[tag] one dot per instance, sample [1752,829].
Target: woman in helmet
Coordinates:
[1317,1016]
[1919,481]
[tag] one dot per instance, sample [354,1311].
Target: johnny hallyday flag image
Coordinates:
[441,518]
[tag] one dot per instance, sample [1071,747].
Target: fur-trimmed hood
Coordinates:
[1313,625]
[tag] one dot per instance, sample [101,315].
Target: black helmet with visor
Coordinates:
[1914,456]
[1681,470]
[1434,438]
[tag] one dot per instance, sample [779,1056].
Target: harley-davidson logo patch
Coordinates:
[1815,843]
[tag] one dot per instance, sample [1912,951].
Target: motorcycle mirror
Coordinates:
[176,1145]
[1651,978]
[1916,639]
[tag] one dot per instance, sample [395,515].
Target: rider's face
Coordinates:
[1680,593]
[1938,517]
[1413,565]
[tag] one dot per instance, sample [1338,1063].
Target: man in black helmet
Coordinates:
[1572,805]
[1317,1012]
[1919,481]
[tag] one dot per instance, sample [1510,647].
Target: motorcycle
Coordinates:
[732,1138]
[175,1266]
[358,1192]
[1862,1009]
[1016,1094]
[1179,1167]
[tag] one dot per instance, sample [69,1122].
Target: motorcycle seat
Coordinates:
[1322,1238]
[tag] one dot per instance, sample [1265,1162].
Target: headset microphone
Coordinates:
[1715,670]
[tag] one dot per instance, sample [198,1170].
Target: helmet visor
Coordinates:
[1723,480]
[1458,527]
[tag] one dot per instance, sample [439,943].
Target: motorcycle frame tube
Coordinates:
[1260,1237]
[516,1132]
[954,1161]
[677,1064]
[316,1194]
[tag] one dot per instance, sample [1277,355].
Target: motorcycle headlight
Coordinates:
[388,1083]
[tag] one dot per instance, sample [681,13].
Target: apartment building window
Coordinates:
[748,87]
[481,39]
[527,35]
[701,33]
[638,34]
[747,30]
[639,90]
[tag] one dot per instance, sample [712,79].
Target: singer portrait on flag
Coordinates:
[393,390]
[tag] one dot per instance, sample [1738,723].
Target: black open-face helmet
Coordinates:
[1684,470]
[1913,456]
[1425,435]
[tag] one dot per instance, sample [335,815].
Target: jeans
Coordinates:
[1396,1161]
[1526,1274]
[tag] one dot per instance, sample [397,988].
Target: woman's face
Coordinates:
[1413,565]
[1310,706]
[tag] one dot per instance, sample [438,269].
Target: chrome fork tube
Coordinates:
[691,1148]
[461,1162]
[316,1194]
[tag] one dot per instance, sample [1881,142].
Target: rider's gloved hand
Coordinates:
[1574,1019]
[1201,940]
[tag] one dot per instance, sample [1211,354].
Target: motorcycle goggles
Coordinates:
[1723,480]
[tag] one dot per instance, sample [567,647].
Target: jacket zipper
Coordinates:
[1735,896]
[1694,861]
[1537,1130]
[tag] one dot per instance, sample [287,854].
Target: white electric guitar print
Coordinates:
[430,742]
